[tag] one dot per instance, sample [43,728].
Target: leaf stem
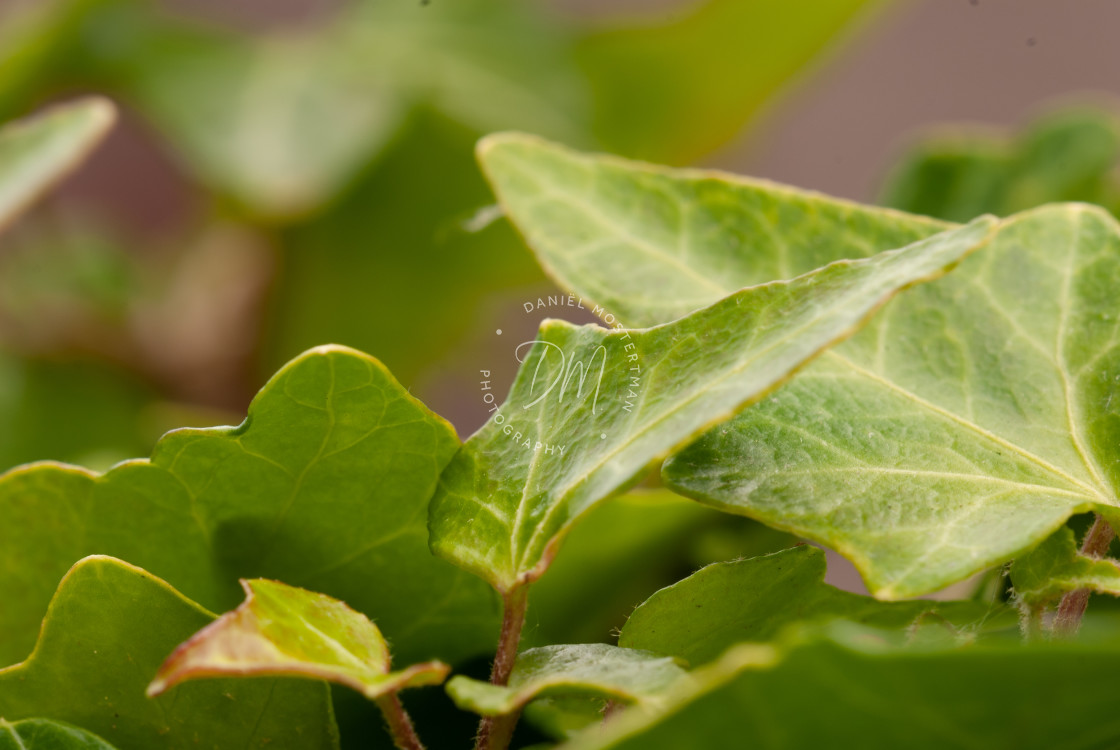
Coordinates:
[1030,620]
[400,724]
[1073,603]
[495,732]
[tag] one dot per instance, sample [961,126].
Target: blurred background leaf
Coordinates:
[334,155]
[673,90]
[1068,154]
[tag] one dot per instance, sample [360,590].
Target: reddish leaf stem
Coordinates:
[400,724]
[495,732]
[1073,604]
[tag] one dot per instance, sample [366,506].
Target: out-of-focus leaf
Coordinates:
[280,124]
[673,90]
[1069,155]
[726,603]
[103,412]
[107,629]
[350,274]
[851,687]
[1056,566]
[287,631]
[624,674]
[249,114]
[38,151]
[43,734]
[40,43]
[517,485]
[325,484]
[486,64]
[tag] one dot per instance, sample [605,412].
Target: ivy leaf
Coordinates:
[649,244]
[283,630]
[726,603]
[958,430]
[325,484]
[108,628]
[38,151]
[1056,566]
[516,486]
[865,691]
[597,669]
[1068,155]
[971,421]
[42,734]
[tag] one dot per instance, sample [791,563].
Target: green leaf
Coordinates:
[850,687]
[325,485]
[283,630]
[37,152]
[247,115]
[1055,567]
[513,490]
[677,88]
[246,112]
[958,430]
[726,603]
[651,244]
[42,734]
[1068,155]
[108,628]
[597,669]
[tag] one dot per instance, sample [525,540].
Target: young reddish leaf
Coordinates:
[284,630]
